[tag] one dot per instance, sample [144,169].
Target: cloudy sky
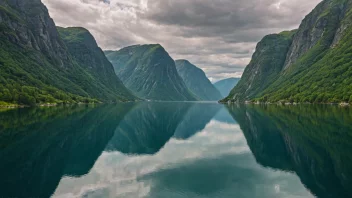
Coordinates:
[218,36]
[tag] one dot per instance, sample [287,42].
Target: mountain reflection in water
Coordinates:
[176,150]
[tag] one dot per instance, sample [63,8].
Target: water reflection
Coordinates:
[176,150]
[312,141]
[39,146]
[147,127]
[197,117]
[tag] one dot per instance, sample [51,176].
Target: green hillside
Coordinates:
[35,64]
[317,67]
[85,51]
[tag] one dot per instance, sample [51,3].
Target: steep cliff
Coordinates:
[264,68]
[35,65]
[196,81]
[85,51]
[317,65]
[150,73]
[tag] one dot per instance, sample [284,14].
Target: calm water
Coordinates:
[176,150]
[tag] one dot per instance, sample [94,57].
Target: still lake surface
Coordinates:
[176,150]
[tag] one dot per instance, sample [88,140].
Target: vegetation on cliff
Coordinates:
[316,68]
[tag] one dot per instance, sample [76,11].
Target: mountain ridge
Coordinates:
[315,69]
[226,85]
[150,73]
[36,66]
[196,81]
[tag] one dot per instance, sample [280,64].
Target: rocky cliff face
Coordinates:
[264,68]
[317,29]
[150,73]
[316,66]
[28,24]
[36,65]
[196,81]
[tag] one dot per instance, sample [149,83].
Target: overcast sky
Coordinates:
[218,36]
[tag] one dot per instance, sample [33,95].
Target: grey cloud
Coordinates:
[228,14]
[218,36]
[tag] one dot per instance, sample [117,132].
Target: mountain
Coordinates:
[313,64]
[264,68]
[85,51]
[196,81]
[36,65]
[225,86]
[150,73]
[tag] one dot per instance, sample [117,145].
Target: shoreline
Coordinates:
[342,104]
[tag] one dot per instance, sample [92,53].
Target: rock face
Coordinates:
[225,86]
[264,68]
[316,66]
[319,26]
[36,65]
[150,73]
[196,81]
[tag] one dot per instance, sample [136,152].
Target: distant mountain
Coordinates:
[150,73]
[197,81]
[36,65]
[225,86]
[311,64]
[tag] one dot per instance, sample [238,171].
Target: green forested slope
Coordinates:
[35,65]
[150,73]
[85,51]
[196,81]
[264,68]
[318,65]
